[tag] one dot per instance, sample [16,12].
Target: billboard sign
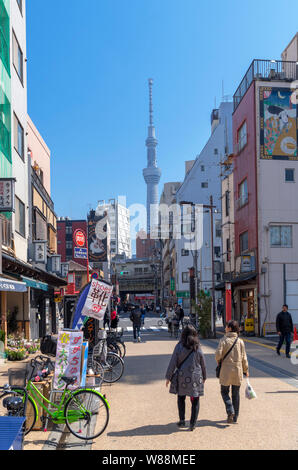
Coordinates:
[98,238]
[278,113]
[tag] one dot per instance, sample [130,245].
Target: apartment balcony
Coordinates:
[4,51]
[266,70]
[5,141]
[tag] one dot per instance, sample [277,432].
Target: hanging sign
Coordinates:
[97,299]
[7,191]
[68,358]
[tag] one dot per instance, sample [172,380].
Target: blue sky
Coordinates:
[88,65]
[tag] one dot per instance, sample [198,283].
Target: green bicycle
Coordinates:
[84,411]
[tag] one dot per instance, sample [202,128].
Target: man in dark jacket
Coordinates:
[284,327]
[136,318]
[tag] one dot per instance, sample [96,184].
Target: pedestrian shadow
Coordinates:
[165,429]
[284,391]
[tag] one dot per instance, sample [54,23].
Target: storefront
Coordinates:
[29,309]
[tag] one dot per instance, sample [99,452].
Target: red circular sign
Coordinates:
[79,238]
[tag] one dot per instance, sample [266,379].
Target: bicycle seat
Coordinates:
[69,380]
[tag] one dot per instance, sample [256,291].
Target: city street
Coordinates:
[144,415]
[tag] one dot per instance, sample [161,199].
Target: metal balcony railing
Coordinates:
[4,51]
[266,70]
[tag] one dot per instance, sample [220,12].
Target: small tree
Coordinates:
[203,312]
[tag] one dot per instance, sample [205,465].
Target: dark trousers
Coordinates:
[285,337]
[232,405]
[136,331]
[195,408]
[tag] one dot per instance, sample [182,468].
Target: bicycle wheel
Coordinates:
[113,347]
[30,413]
[114,369]
[98,369]
[86,414]
[122,348]
[159,323]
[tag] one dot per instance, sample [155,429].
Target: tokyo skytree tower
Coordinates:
[152,173]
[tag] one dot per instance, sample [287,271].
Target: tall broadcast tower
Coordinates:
[152,173]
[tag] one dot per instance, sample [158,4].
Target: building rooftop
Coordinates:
[266,70]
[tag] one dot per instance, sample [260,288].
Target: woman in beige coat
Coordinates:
[233,368]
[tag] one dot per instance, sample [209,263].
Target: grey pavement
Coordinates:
[143,413]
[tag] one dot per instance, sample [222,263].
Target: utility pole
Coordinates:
[212,267]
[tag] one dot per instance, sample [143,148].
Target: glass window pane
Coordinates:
[286,236]
[275,236]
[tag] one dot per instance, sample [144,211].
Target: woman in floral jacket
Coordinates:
[187,365]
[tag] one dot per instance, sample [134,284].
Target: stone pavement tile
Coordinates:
[144,414]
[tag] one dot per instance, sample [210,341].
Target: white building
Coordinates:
[201,181]
[119,222]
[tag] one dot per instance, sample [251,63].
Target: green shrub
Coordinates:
[14,354]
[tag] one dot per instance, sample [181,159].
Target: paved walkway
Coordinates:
[144,414]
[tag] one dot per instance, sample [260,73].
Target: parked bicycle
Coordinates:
[105,363]
[85,411]
[115,342]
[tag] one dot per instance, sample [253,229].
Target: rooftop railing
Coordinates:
[266,70]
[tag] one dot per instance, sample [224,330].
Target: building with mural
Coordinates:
[265,193]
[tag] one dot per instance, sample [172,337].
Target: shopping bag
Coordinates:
[249,391]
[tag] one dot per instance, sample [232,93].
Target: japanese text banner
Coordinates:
[68,358]
[97,299]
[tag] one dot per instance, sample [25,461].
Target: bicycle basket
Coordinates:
[17,377]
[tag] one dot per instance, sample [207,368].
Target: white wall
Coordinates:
[277,202]
[19,106]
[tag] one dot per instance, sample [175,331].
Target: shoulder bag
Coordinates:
[218,368]
[174,379]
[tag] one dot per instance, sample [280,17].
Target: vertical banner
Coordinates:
[68,358]
[228,302]
[97,299]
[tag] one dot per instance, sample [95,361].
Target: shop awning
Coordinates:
[7,285]
[35,284]
[236,280]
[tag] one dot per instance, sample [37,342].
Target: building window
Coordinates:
[68,245]
[228,247]
[215,151]
[289,175]
[204,185]
[227,201]
[217,251]
[218,228]
[184,252]
[242,137]
[138,270]
[281,236]
[18,137]
[68,230]
[19,2]
[20,217]
[243,242]
[185,277]
[17,57]
[243,194]
[202,167]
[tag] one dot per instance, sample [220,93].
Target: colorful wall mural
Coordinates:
[278,111]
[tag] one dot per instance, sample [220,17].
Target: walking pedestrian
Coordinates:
[187,374]
[136,318]
[106,319]
[143,312]
[114,319]
[231,355]
[285,329]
